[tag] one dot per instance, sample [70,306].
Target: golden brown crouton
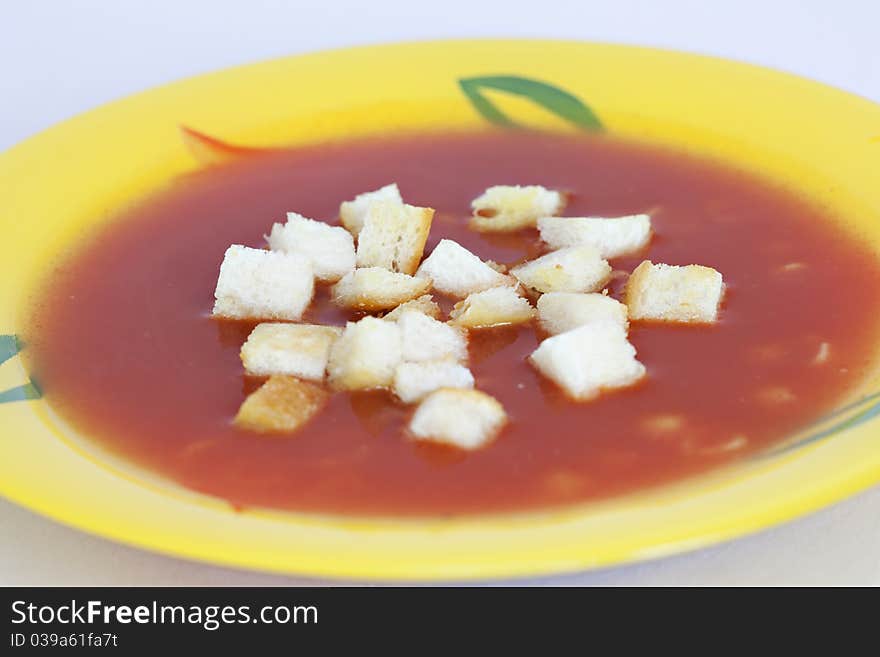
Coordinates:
[513,207]
[425,304]
[293,349]
[281,405]
[671,293]
[394,236]
[376,288]
[497,306]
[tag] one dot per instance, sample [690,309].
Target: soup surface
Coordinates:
[126,351]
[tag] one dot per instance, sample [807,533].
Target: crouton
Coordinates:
[467,419]
[670,293]
[458,272]
[413,381]
[281,405]
[394,236]
[258,284]
[353,213]
[425,304]
[613,237]
[376,288]
[425,338]
[493,307]
[365,355]
[559,312]
[588,359]
[299,350]
[574,269]
[330,249]
[512,207]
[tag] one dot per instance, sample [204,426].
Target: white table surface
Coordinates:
[61,58]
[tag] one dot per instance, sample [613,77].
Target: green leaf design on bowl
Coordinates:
[10,346]
[559,102]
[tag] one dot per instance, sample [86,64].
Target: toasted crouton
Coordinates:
[425,304]
[670,293]
[353,213]
[412,381]
[366,355]
[559,312]
[330,249]
[376,288]
[496,306]
[299,350]
[512,207]
[394,236]
[575,269]
[613,237]
[425,338]
[258,284]
[281,405]
[458,272]
[467,419]
[588,359]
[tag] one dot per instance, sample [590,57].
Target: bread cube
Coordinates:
[330,249]
[671,293]
[425,338]
[353,213]
[559,312]
[299,350]
[376,288]
[366,355]
[281,405]
[413,381]
[394,236]
[458,272]
[575,269]
[513,207]
[425,304]
[588,359]
[258,284]
[467,419]
[613,237]
[496,306]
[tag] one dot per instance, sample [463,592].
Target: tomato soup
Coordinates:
[126,351]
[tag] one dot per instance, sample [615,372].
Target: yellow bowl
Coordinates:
[72,177]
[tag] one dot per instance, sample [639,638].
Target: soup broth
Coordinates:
[125,349]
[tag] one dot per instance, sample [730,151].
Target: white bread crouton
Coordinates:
[366,355]
[281,405]
[376,288]
[425,338]
[413,381]
[330,249]
[588,359]
[613,237]
[394,236]
[299,350]
[513,207]
[496,306]
[353,213]
[467,419]
[559,312]
[671,293]
[258,284]
[458,272]
[575,269]
[425,304]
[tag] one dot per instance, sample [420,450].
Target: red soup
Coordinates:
[126,351]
